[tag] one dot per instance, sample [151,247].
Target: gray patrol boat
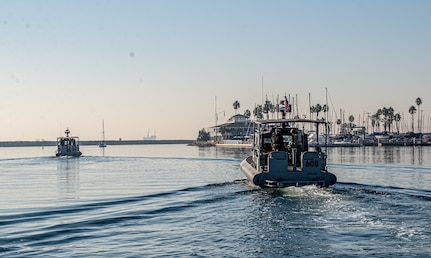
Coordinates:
[68,146]
[281,156]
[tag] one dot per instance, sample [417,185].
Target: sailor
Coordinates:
[277,140]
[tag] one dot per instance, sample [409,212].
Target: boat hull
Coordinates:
[288,178]
[69,154]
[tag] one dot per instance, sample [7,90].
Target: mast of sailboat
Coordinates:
[216,118]
[103,130]
[309,103]
[262,93]
[309,108]
[326,114]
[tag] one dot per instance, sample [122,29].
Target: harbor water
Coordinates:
[180,201]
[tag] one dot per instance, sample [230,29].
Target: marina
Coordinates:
[385,127]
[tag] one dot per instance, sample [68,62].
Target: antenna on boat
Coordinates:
[288,107]
[278,105]
[262,92]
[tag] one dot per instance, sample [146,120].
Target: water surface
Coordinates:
[181,201]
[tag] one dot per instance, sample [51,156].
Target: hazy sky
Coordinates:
[157,65]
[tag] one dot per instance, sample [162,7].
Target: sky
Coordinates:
[169,66]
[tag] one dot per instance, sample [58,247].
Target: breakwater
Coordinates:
[112,142]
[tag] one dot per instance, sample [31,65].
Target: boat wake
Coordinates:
[386,191]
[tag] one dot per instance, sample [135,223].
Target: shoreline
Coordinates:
[86,143]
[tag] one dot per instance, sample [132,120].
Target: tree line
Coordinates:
[383,116]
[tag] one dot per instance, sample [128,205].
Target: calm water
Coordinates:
[181,201]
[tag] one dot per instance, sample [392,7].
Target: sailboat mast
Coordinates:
[327,122]
[103,130]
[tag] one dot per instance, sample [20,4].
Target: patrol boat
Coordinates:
[281,156]
[68,146]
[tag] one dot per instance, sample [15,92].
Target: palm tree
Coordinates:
[388,118]
[385,113]
[391,117]
[419,102]
[318,109]
[377,116]
[267,107]
[247,113]
[312,110]
[397,118]
[351,119]
[339,123]
[325,109]
[236,105]
[257,112]
[373,122]
[412,111]
[273,109]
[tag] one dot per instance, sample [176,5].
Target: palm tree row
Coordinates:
[319,108]
[383,116]
[389,117]
[268,107]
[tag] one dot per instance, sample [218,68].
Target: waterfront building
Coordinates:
[237,128]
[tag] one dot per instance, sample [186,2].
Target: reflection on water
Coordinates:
[68,178]
[406,167]
[413,155]
[233,152]
[102,150]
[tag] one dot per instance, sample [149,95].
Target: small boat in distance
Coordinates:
[281,156]
[102,144]
[68,146]
[150,137]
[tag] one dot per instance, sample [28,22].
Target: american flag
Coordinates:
[286,104]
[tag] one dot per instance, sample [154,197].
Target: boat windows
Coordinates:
[287,140]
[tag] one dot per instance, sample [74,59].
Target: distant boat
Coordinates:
[102,144]
[150,137]
[68,146]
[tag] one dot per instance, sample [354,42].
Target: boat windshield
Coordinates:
[287,140]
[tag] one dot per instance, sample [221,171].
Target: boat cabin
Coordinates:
[68,146]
